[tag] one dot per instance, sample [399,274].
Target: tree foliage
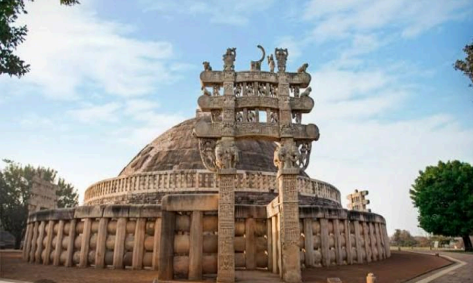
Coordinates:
[12,36]
[444,196]
[15,185]
[403,238]
[466,65]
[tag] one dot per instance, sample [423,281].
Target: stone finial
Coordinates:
[281,57]
[256,65]
[303,68]
[271,63]
[306,92]
[229,59]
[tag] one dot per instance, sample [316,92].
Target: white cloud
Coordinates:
[97,113]
[70,49]
[340,19]
[233,12]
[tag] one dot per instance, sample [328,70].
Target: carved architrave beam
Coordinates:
[210,78]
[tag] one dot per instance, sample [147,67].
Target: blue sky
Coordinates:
[107,77]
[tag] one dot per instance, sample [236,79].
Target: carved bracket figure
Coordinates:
[306,92]
[287,156]
[207,153]
[207,66]
[304,158]
[229,59]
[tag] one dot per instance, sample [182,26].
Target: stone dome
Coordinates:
[178,149]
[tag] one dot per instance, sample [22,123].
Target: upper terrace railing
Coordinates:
[201,181]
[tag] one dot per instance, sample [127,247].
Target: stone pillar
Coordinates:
[309,242]
[166,250]
[58,248]
[226,227]
[378,241]
[290,231]
[49,240]
[39,248]
[269,234]
[359,258]
[138,245]
[33,242]
[338,244]
[324,242]
[386,240]
[84,248]
[70,244]
[119,248]
[101,239]
[348,242]
[250,244]
[279,245]
[196,246]
[275,240]
[156,244]
[27,244]
[367,239]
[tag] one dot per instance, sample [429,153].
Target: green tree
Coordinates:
[12,36]
[403,238]
[15,185]
[444,196]
[466,65]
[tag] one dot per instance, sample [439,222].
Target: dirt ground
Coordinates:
[400,267]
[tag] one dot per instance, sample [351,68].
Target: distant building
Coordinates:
[42,195]
[358,201]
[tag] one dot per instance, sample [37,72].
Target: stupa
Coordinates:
[223,191]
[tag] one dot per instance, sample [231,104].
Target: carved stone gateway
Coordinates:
[258,105]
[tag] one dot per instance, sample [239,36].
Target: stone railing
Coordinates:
[130,236]
[175,181]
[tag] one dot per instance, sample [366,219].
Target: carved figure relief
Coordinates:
[295,91]
[286,156]
[216,116]
[273,117]
[297,117]
[239,116]
[281,57]
[271,63]
[251,117]
[216,90]
[256,65]
[207,66]
[305,149]
[205,91]
[237,90]
[229,59]
[226,155]
[207,153]
[306,92]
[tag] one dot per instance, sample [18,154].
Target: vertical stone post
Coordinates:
[166,248]
[70,244]
[119,248]
[290,231]
[338,244]
[378,241]
[27,244]
[309,242]
[324,242]
[226,227]
[386,240]
[156,244]
[33,242]
[367,239]
[49,240]
[275,240]
[84,248]
[250,244]
[269,234]
[58,248]
[138,246]
[39,248]
[279,244]
[101,238]
[359,258]
[348,242]
[196,246]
